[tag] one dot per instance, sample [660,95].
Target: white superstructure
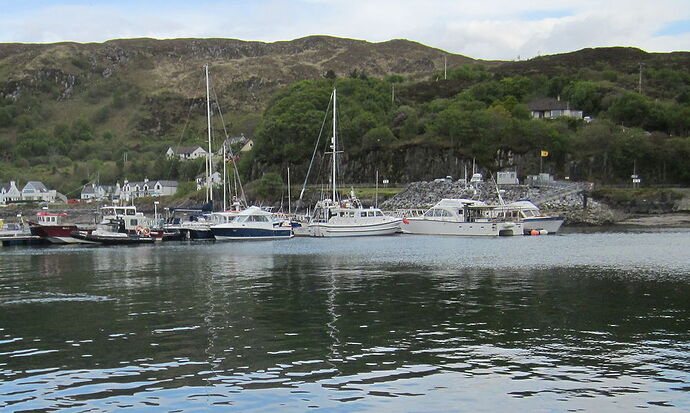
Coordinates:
[460,217]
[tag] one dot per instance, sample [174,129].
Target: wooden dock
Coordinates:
[12,240]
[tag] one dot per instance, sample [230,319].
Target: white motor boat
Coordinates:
[345,218]
[252,223]
[348,219]
[531,217]
[460,217]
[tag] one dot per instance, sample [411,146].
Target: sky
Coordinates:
[489,29]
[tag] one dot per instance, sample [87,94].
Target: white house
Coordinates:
[550,108]
[164,188]
[131,190]
[36,191]
[100,192]
[507,178]
[186,152]
[9,192]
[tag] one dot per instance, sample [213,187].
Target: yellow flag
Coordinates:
[544,153]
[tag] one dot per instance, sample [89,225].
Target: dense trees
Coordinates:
[488,120]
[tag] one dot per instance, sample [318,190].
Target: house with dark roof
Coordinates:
[164,188]
[186,152]
[233,145]
[550,108]
[36,191]
[99,192]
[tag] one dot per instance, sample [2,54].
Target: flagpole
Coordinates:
[541,162]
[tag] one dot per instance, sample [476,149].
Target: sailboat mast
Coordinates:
[333,146]
[225,174]
[209,188]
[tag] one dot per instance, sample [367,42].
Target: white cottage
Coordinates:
[164,188]
[186,152]
[9,192]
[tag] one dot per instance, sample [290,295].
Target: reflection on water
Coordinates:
[594,322]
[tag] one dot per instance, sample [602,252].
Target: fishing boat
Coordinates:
[252,223]
[133,222]
[51,226]
[461,217]
[530,216]
[335,217]
[113,233]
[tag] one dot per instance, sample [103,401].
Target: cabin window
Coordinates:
[342,213]
[363,214]
[379,213]
[371,213]
[130,212]
[133,222]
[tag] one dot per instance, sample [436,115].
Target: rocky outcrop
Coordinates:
[422,195]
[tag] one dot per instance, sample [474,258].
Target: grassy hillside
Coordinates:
[71,113]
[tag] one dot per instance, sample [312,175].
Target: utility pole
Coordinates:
[639,84]
[445,68]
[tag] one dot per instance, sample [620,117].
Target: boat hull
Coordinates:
[57,234]
[433,227]
[548,224]
[356,230]
[116,239]
[236,234]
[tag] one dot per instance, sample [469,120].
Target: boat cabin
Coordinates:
[459,210]
[50,218]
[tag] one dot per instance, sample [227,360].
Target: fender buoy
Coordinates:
[534,232]
[406,221]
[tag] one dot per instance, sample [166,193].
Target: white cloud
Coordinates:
[498,29]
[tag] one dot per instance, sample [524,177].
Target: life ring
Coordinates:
[146,232]
[139,229]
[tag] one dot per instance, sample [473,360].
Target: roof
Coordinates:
[167,183]
[243,139]
[88,189]
[548,104]
[5,186]
[181,150]
[37,185]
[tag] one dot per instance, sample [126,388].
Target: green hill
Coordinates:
[72,112]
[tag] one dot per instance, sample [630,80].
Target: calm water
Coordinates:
[578,322]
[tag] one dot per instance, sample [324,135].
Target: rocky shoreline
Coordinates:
[576,206]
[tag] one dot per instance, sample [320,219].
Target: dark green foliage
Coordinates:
[6,116]
[268,186]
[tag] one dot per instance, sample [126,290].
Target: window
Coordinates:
[379,213]
[371,213]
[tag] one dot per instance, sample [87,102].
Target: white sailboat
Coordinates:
[334,217]
[200,227]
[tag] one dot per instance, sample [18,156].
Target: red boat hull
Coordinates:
[56,234]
